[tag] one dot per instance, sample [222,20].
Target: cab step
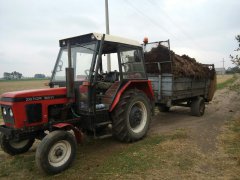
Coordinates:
[103,124]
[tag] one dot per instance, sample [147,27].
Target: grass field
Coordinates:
[223,81]
[231,139]
[223,78]
[8,86]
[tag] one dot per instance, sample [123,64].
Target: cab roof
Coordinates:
[97,36]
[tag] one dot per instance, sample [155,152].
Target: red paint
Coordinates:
[18,108]
[83,89]
[35,92]
[62,125]
[86,83]
[144,85]
[78,134]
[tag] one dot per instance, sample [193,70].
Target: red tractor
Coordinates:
[83,98]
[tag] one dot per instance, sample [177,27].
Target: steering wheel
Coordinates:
[100,77]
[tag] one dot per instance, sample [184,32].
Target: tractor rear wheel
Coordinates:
[132,116]
[14,147]
[56,152]
[198,107]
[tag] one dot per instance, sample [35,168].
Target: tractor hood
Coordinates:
[33,95]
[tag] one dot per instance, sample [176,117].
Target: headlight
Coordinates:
[4,111]
[11,113]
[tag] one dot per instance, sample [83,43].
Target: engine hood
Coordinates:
[34,95]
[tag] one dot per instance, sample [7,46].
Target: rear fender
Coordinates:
[66,126]
[143,85]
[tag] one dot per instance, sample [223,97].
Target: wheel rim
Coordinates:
[59,153]
[18,145]
[137,117]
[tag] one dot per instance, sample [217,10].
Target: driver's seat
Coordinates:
[112,77]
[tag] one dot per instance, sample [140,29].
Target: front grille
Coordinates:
[34,113]
[6,117]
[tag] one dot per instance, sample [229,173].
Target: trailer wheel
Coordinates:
[56,152]
[198,107]
[163,108]
[14,147]
[131,117]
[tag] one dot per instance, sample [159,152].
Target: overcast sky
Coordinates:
[30,29]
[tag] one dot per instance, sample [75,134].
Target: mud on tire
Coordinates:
[132,116]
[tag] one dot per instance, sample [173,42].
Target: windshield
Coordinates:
[82,57]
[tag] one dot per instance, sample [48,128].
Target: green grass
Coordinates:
[134,159]
[106,159]
[235,87]
[226,83]
[232,140]
[145,155]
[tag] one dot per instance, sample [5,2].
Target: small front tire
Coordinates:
[14,147]
[56,152]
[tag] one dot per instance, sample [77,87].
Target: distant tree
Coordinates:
[236,59]
[13,75]
[39,76]
[232,70]
[16,75]
[6,75]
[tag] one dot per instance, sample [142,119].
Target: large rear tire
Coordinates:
[14,147]
[132,116]
[198,107]
[56,152]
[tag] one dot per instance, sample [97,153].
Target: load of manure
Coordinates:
[179,66]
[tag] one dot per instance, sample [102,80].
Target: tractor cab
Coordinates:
[95,86]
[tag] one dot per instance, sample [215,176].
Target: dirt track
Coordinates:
[203,130]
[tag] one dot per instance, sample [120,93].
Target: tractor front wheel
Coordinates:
[131,117]
[14,147]
[56,152]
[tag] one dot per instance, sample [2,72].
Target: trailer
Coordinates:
[174,90]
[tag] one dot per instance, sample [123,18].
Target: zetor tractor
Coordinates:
[83,98]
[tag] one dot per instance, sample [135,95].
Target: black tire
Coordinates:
[132,116]
[14,147]
[163,108]
[198,107]
[56,152]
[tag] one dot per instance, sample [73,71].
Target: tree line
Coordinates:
[18,75]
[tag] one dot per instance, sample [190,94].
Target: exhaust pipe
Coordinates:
[69,74]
